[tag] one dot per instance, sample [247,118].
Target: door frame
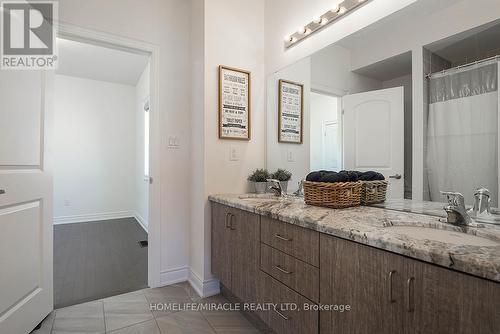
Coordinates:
[89,36]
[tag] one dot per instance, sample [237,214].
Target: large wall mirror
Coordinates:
[425,117]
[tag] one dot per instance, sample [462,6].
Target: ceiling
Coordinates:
[477,43]
[100,63]
[389,68]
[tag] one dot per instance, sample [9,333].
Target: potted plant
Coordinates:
[283,176]
[259,179]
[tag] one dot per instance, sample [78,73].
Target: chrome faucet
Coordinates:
[300,190]
[275,186]
[455,209]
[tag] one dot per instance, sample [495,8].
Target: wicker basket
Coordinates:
[332,195]
[373,192]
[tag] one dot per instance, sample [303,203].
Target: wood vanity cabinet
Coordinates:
[236,250]
[389,293]
[264,260]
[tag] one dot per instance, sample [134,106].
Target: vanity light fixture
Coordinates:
[321,21]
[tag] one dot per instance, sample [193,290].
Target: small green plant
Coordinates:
[259,175]
[282,175]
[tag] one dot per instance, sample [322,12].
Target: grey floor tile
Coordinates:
[184,322]
[125,313]
[227,320]
[136,296]
[148,327]
[167,300]
[83,318]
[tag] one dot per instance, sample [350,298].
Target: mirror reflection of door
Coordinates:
[374,135]
[326,135]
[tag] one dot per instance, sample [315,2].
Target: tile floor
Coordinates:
[130,314]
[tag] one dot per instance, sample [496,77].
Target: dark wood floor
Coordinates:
[98,259]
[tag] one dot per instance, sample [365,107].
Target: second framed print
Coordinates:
[290,112]
[234,103]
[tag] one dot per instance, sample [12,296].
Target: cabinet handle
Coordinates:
[409,284]
[281,314]
[283,270]
[2,191]
[231,223]
[391,274]
[227,220]
[277,236]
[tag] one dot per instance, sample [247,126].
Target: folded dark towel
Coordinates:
[343,176]
[371,176]
[332,177]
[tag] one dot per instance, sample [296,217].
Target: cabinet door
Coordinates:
[453,302]
[290,316]
[366,279]
[245,254]
[221,244]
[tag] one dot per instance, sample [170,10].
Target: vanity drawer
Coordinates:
[290,239]
[289,316]
[296,274]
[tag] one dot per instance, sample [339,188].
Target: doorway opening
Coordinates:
[100,165]
[326,132]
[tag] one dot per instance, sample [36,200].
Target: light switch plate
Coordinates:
[289,156]
[234,154]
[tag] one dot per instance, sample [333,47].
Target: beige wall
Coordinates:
[234,36]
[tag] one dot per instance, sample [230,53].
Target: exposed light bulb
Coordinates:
[302,30]
[317,19]
[360,1]
[342,10]
[335,9]
[323,21]
[287,38]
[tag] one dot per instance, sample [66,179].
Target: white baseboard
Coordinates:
[205,288]
[173,276]
[141,221]
[92,217]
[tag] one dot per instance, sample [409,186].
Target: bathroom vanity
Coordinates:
[355,270]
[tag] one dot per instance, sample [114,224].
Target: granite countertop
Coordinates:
[372,226]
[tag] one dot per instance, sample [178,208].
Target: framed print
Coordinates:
[234,103]
[290,112]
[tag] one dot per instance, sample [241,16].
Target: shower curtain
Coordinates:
[462,132]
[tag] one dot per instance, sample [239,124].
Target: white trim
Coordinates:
[141,221]
[94,217]
[327,90]
[173,276]
[110,40]
[207,288]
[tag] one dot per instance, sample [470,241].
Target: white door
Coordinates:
[331,146]
[26,292]
[374,135]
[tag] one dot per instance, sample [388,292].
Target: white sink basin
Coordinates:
[450,237]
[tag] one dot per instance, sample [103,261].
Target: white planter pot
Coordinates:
[284,186]
[260,187]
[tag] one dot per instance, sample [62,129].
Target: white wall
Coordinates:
[93,163]
[277,154]
[166,24]
[331,71]
[241,46]
[141,184]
